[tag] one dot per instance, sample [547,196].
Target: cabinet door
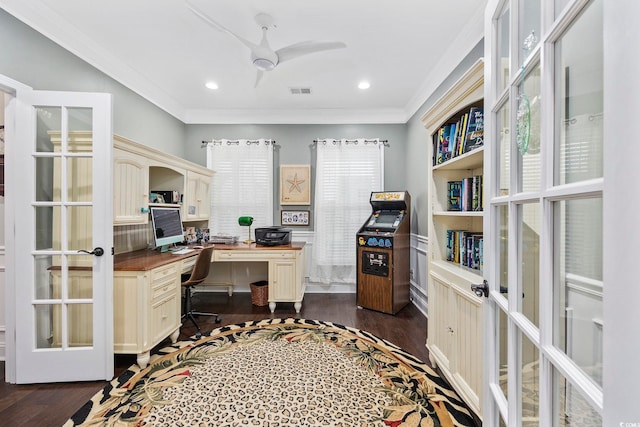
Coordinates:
[164,314]
[197,197]
[439,326]
[282,276]
[466,350]
[204,185]
[130,188]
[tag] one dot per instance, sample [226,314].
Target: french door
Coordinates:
[562,339]
[544,103]
[60,236]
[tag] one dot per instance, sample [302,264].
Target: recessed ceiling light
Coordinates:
[364,85]
[212,85]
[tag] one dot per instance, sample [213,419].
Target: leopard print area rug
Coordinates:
[278,372]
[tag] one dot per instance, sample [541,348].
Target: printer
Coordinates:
[273,236]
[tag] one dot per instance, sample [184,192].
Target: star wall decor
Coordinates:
[295,186]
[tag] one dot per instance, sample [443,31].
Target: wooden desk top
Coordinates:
[146,259]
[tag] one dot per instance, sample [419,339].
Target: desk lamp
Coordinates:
[246,221]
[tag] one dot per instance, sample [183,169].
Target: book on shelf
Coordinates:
[456,138]
[474,137]
[476,193]
[453,195]
[465,195]
[465,248]
[446,155]
[461,136]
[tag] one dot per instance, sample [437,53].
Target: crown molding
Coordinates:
[288,116]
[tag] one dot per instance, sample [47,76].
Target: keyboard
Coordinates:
[183,251]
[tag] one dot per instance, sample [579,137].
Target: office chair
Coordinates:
[198,274]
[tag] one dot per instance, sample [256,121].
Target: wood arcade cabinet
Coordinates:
[383,253]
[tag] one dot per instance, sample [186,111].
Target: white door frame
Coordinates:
[11,88]
[69,365]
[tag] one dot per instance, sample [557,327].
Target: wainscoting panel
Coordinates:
[419,273]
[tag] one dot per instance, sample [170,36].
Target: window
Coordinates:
[346,174]
[242,185]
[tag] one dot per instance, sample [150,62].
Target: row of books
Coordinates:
[465,248]
[455,139]
[466,194]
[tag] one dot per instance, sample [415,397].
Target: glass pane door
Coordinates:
[64,313]
[545,218]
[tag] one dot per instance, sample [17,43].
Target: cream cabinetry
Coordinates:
[196,204]
[454,331]
[146,309]
[286,269]
[140,170]
[130,188]
[286,279]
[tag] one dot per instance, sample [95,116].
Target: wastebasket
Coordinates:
[259,293]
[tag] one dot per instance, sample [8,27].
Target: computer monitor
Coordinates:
[167,227]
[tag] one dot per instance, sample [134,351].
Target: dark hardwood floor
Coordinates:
[53,404]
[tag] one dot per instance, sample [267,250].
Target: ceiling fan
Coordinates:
[263,57]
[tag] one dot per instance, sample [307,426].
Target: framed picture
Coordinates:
[295,185]
[294,217]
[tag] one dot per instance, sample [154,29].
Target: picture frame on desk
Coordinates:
[295,185]
[290,217]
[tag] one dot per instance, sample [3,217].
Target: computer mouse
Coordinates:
[198,247]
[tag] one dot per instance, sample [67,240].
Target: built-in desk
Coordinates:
[147,290]
[147,300]
[286,268]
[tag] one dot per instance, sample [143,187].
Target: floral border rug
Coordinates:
[278,372]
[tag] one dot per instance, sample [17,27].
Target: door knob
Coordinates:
[97,251]
[481,290]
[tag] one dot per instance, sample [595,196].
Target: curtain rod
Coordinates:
[366,141]
[235,141]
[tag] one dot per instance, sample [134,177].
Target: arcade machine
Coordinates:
[383,253]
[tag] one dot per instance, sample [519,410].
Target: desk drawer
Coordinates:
[160,292]
[187,264]
[163,275]
[256,255]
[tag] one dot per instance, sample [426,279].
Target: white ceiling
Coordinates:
[163,51]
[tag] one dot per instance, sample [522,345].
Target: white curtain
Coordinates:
[242,185]
[347,171]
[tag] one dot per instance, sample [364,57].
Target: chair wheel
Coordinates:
[218,319]
[198,335]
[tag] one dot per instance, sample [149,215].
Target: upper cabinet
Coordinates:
[197,204]
[144,176]
[130,188]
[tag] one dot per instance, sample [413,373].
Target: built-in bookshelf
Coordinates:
[455,124]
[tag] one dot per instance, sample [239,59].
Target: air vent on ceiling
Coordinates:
[300,90]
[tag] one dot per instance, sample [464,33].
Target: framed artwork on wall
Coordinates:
[295,185]
[294,217]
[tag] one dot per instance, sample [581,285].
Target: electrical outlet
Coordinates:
[411,273]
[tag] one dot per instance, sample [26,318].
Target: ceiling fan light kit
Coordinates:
[263,57]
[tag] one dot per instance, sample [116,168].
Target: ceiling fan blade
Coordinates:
[304,48]
[258,78]
[219,27]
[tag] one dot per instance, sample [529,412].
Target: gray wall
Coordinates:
[295,146]
[36,61]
